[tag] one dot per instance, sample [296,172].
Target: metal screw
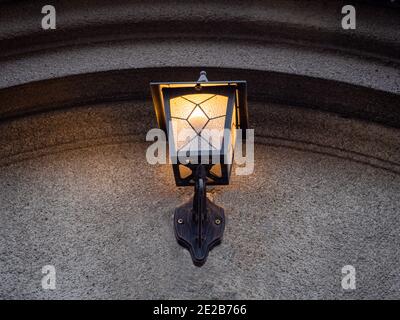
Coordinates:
[180,221]
[217,221]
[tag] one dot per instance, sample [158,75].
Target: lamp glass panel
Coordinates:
[181,108]
[214,134]
[191,114]
[183,132]
[231,146]
[215,107]
[216,170]
[184,171]
[197,144]
[198,119]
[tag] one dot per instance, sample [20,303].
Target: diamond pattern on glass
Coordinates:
[198,119]
[182,132]
[198,112]
[181,108]
[215,132]
[197,144]
[215,107]
[198,98]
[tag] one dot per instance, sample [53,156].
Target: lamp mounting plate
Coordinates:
[199,223]
[187,230]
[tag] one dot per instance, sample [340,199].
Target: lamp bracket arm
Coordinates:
[199,223]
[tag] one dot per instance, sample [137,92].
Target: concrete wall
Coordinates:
[76,191]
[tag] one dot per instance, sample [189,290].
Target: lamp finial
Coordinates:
[203,77]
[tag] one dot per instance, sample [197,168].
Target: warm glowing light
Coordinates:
[192,114]
[198,119]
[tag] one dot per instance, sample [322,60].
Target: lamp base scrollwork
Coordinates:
[199,223]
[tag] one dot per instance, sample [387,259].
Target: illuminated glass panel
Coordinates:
[231,146]
[182,132]
[215,132]
[198,119]
[216,106]
[191,114]
[181,108]
[198,98]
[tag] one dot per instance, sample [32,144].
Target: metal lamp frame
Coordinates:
[199,223]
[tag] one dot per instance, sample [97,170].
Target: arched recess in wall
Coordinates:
[76,188]
[113,53]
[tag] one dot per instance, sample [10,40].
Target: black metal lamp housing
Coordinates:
[200,119]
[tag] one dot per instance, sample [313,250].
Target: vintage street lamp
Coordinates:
[200,119]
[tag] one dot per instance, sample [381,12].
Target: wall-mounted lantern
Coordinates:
[200,119]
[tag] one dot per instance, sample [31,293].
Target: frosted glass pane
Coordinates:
[233,136]
[215,107]
[233,128]
[197,144]
[198,119]
[182,132]
[198,97]
[214,132]
[216,170]
[198,111]
[216,124]
[181,108]
[184,172]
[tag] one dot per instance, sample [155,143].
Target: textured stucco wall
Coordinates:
[76,191]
